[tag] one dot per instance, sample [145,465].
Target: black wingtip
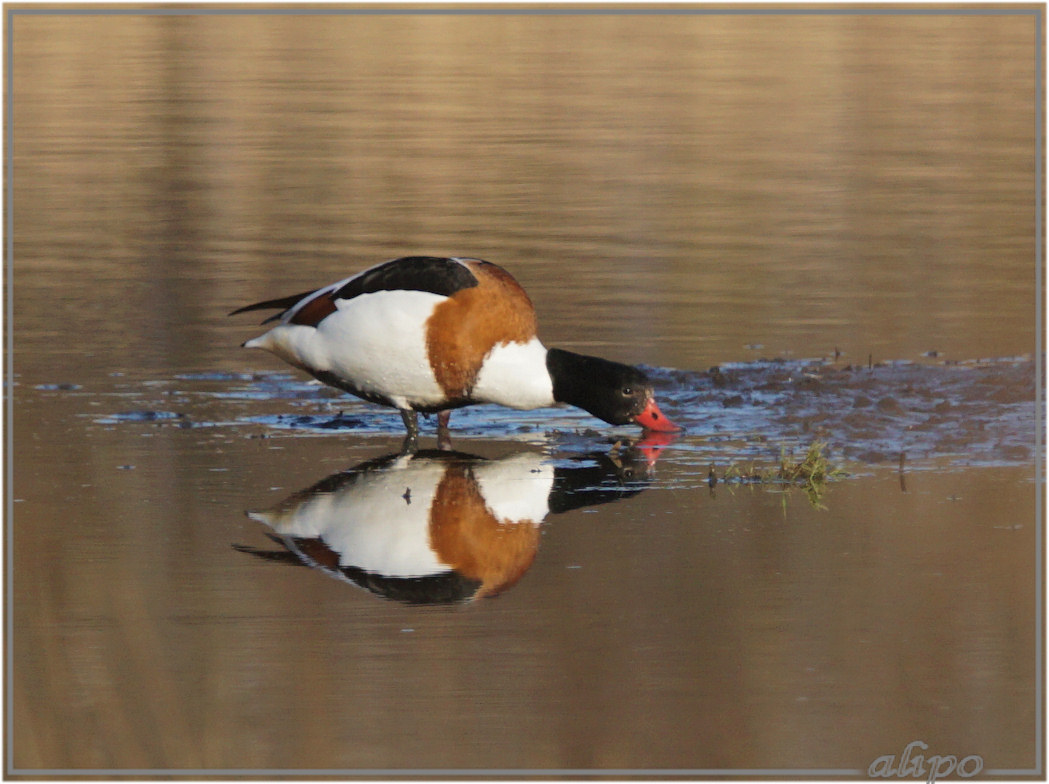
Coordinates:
[280,556]
[283,303]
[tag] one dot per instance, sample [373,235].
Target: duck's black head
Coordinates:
[617,393]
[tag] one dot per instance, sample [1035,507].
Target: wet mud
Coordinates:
[934,414]
[968,413]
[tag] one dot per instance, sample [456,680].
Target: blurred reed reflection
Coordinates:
[668,189]
[438,527]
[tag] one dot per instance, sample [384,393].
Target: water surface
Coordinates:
[835,212]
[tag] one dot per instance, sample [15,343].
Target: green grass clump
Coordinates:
[810,474]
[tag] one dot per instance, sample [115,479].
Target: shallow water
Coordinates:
[808,229]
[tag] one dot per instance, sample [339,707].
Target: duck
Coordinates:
[436,527]
[426,334]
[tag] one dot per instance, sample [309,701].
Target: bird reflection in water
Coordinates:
[440,527]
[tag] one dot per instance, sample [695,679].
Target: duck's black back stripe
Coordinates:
[411,273]
[441,588]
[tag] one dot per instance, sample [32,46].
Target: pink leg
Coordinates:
[444,438]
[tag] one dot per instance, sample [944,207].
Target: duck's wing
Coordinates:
[443,276]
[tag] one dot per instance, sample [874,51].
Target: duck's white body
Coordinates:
[377,340]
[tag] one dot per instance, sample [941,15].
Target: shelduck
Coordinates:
[440,526]
[431,334]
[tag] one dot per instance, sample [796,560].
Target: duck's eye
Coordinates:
[627,391]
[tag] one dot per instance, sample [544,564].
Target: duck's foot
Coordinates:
[411,424]
[444,436]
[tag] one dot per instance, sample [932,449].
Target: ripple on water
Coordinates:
[140,415]
[979,412]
